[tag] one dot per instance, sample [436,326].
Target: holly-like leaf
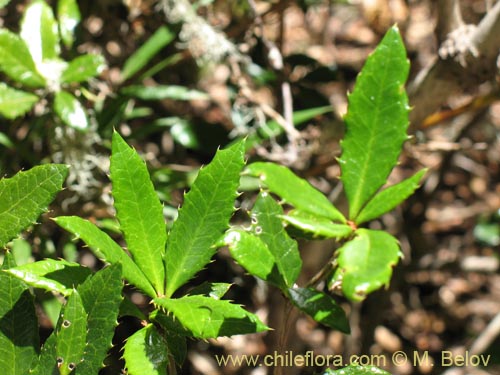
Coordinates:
[39,32]
[212,290]
[16,61]
[162,37]
[357,370]
[101,298]
[139,211]
[317,226]
[83,68]
[294,190]
[69,17]
[106,250]
[46,363]
[52,275]
[365,263]
[71,333]
[70,110]
[203,218]
[176,335]
[206,317]
[321,307]
[25,196]
[146,352]
[19,340]
[250,252]
[376,122]
[161,92]
[389,198]
[15,103]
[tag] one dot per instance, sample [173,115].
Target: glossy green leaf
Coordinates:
[146,353]
[317,226]
[250,252]
[69,17]
[208,318]
[376,122]
[101,297]
[163,92]
[162,37]
[83,68]
[71,333]
[212,290]
[389,198]
[15,103]
[294,190]
[203,218]
[16,61]
[39,32]
[139,211]
[268,227]
[321,307]
[176,335]
[25,196]
[52,275]
[46,363]
[70,110]
[19,340]
[357,370]
[106,250]
[365,263]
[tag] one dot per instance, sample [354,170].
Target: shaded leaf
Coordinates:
[69,17]
[106,250]
[376,122]
[146,352]
[15,103]
[128,308]
[212,290]
[163,92]
[365,263]
[162,37]
[52,275]
[19,340]
[207,318]
[175,335]
[294,190]
[70,110]
[139,211]
[321,307]
[203,217]
[389,198]
[16,61]
[317,226]
[46,363]
[25,196]
[83,68]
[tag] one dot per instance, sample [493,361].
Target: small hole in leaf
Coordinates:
[71,366]
[258,230]
[59,361]
[66,323]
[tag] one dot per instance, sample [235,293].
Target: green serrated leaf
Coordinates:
[146,352]
[321,307]
[376,122]
[71,333]
[25,196]
[39,32]
[208,318]
[175,335]
[52,275]
[389,198]
[268,227]
[161,92]
[19,340]
[106,250]
[294,190]
[317,226]
[69,17]
[212,290]
[46,363]
[83,68]
[162,37]
[357,370]
[365,263]
[101,297]
[139,211]
[70,110]
[203,217]
[250,252]
[16,61]
[15,103]
[128,308]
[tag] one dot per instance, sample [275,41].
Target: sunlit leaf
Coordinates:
[15,103]
[70,110]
